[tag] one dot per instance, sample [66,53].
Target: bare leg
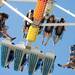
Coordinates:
[69,65]
[5,32]
[43,38]
[49,35]
[56,39]
[62,65]
[22,67]
[6,35]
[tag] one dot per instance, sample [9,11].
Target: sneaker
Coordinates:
[7,66]
[22,69]
[59,65]
[13,43]
[13,38]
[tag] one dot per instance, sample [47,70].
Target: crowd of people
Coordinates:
[47,32]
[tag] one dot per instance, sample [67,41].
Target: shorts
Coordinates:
[48,29]
[57,32]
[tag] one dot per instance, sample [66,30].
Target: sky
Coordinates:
[61,49]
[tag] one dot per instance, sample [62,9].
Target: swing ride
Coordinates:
[25,54]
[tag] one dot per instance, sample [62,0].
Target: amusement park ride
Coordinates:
[19,52]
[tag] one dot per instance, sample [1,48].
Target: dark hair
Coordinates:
[32,11]
[62,20]
[5,15]
[52,16]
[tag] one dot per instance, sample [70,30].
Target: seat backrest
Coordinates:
[48,63]
[18,59]
[4,54]
[33,59]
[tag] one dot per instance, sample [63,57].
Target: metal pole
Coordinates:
[16,11]
[58,24]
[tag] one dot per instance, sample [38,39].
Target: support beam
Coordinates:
[52,24]
[56,5]
[22,0]
[27,51]
[58,24]
[16,11]
[65,10]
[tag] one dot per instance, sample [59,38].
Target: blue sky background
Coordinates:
[61,49]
